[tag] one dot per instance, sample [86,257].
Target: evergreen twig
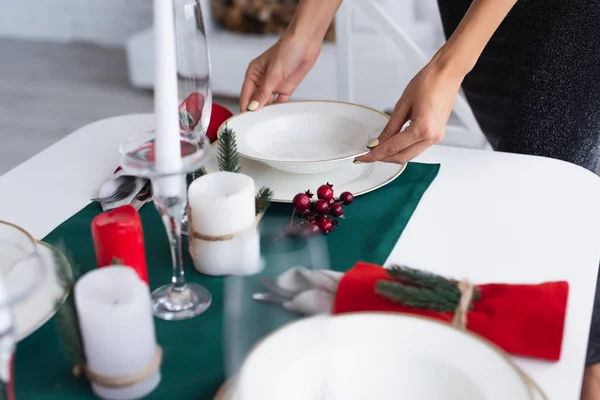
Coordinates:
[227,156]
[66,320]
[263,200]
[417,297]
[425,279]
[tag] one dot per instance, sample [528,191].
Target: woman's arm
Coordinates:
[312,19]
[277,72]
[428,99]
[463,48]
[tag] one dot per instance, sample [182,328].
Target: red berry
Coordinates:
[301,202]
[331,201]
[325,192]
[310,230]
[336,210]
[346,198]
[325,225]
[322,207]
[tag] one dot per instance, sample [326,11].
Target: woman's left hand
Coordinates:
[427,103]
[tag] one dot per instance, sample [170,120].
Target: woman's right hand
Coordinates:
[276,73]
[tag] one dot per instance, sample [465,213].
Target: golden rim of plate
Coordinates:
[29,235]
[529,383]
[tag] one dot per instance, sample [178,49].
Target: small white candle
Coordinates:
[166,107]
[117,328]
[223,203]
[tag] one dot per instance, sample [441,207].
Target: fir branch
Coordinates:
[227,156]
[416,297]
[424,279]
[66,320]
[263,200]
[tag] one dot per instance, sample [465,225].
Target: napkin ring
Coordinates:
[467,289]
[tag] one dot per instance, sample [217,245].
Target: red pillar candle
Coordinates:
[118,238]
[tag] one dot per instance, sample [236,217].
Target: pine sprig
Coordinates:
[263,200]
[425,279]
[440,300]
[66,320]
[227,156]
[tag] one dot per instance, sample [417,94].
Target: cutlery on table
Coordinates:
[122,191]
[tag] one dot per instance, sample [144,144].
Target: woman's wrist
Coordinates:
[453,62]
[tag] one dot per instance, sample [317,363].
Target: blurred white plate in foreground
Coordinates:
[380,356]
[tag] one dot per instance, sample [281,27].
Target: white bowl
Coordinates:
[381,356]
[306,137]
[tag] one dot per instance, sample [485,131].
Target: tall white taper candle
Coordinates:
[168,148]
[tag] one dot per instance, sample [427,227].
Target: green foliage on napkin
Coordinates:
[422,289]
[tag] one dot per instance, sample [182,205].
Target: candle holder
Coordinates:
[178,300]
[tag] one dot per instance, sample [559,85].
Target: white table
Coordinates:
[488,216]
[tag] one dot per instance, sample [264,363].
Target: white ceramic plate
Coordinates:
[357,179]
[42,304]
[379,356]
[306,137]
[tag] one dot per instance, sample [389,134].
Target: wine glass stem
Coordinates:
[171,210]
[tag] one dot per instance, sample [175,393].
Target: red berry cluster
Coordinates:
[319,216]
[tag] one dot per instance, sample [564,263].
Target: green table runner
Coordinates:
[193,358]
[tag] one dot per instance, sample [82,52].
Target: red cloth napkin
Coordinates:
[192,105]
[524,320]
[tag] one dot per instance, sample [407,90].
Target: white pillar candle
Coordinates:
[166,107]
[223,203]
[117,329]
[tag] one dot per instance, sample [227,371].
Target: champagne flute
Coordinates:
[193,74]
[179,299]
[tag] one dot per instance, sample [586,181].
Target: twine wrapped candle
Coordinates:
[118,237]
[117,330]
[224,239]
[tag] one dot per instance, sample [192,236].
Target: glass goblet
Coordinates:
[193,74]
[178,300]
[23,270]
[258,305]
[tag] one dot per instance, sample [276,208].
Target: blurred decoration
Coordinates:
[258,16]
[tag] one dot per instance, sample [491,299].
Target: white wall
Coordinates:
[105,22]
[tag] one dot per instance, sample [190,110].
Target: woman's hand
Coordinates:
[427,103]
[275,74]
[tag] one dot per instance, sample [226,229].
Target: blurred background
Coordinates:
[67,63]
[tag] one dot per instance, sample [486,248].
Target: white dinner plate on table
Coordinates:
[306,137]
[42,304]
[381,356]
[356,179]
